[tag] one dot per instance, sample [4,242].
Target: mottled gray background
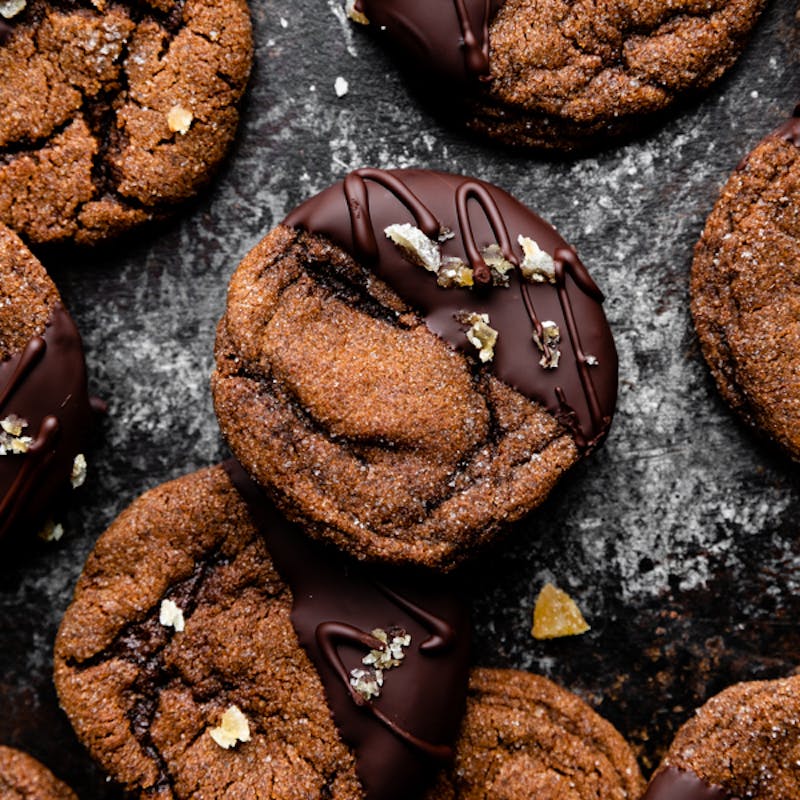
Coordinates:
[678,538]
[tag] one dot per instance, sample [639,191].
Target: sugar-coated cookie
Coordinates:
[24,778]
[113,113]
[410,361]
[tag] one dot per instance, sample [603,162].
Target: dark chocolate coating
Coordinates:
[354,214]
[5,32]
[790,130]
[46,386]
[671,783]
[401,737]
[448,38]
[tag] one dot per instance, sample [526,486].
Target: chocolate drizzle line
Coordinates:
[45,385]
[354,214]
[450,39]
[671,783]
[401,737]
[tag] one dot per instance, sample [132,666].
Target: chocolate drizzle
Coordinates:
[449,38]
[354,214]
[401,737]
[671,783]
[45,385]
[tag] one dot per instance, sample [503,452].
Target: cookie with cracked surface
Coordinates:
[745,296]
[23,777]
[743,743]
[114,113]
[45,411]
[410,362]
[198,600]
[562,74]
[524,737]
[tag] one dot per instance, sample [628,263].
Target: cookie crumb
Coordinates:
[171,616]
[78,476]
[556,614]
[10,8]
[179,120]
[51,531]
[416,245]
[12,442]
[355,14]
[536,266]
[480,334]
[233,728]
[341,86]
[548,344]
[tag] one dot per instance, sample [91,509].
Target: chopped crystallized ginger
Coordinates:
[556,615]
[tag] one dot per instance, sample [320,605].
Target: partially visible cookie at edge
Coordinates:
[745,288]
[113,115]
[559,74]
[410,362]
[525,737]
[743,743]
[46,416]
[22,777]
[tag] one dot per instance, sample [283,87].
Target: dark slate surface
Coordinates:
[678,539]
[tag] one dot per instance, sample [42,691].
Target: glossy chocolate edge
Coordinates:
[446,38]
[671,783]
[402,737]
[46,386]
[581,392]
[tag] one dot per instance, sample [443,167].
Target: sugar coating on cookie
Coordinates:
[390,373]
[45,413]
[253,696]
[112,115]
[22,777]
[743,743]
[745,295]
[525,737]
[563,74]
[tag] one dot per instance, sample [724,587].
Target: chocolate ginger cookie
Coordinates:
[524,737]
[562,74]
[211,651]
[24,778]
[410,361]
[113,112]
[746,288]
[45,412]
[742,744]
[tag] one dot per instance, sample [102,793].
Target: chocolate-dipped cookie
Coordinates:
[45,412]
[560,74]
[524,737]
[743,744]
[113,113]
[212,651]
[745,288]
[410,361]
[24,778]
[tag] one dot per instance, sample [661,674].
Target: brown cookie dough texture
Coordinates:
[112,113]
[565,74]
[746,295]
[372,434]
[524,737]
[143,698]
[24,778]
[745,740]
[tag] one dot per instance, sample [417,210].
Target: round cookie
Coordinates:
[745,295]
[410,361]
[112,113]
[23,777]
[524,737]
[45,412]
[184,611]
[743,743]
[563,74]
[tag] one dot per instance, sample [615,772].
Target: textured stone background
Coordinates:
[678,539]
